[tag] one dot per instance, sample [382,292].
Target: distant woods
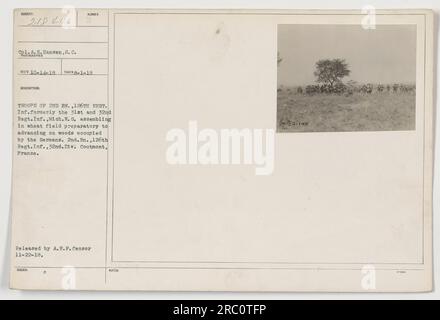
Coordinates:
[329,74]
[351,88]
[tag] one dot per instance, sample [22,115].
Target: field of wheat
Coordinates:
[322,112]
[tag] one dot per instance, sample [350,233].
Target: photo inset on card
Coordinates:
[346,78]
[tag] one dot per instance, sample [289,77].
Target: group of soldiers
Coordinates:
[341,88]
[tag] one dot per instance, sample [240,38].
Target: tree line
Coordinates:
[329,74]
[349,89]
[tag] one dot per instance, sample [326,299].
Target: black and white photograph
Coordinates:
[346,78]
[219,152]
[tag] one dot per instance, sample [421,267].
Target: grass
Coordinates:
[378,111]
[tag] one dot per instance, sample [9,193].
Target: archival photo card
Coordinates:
[222,150]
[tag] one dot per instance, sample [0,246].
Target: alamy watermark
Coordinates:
[68,279]
[222,147]
[369,18]
[69,17]
[368,278]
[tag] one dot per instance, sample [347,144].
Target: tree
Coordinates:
[330,72]
[279,59]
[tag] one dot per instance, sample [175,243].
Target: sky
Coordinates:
[386,54]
